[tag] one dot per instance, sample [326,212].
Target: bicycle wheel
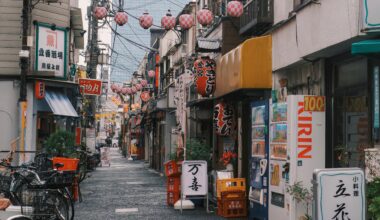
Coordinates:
[59,204]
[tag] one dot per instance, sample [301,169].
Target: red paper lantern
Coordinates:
[186,21]
[151,73]
[121,18]
[124,91]
[113,87]
[100,12]
[168,21]
[205,75]
[129,91]
[235,8]
[205,17]
[134,90]
[223,119]
[138,87]
[144,82]
[118,89]
[146,20]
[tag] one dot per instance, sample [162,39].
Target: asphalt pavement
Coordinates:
[129,190]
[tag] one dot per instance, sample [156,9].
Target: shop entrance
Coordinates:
[350,112]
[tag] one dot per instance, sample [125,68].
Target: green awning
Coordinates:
[366,47]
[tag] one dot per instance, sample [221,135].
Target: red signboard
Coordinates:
[78,136]
[145,96]
[90,86]
[39,90]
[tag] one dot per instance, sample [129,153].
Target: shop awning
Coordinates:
[207,45]
[366,47]
[59,104]
[249,66]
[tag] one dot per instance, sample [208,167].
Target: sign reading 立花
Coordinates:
[194,178]
[339,194]
[51,50]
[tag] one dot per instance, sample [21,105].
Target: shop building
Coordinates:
[56,37]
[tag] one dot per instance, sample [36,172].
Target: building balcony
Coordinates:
[257,17]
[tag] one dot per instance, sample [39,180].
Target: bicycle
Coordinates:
[39,198]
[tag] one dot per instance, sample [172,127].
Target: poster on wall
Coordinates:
[51,47]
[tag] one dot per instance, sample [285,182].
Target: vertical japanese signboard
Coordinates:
[376,98]
[51,50]
[339,194]
[194,178]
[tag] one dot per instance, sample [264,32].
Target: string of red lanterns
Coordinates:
[204,16]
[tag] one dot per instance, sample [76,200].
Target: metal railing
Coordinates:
[257,17]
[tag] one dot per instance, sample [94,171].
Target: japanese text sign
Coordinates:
[194,180]
[339,194]
[39,90]
[90,86]
[51,50]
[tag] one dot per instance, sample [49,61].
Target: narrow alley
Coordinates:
[128,190]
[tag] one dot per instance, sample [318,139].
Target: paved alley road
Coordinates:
[128,190]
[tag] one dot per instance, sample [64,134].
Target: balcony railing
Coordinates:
[257,17]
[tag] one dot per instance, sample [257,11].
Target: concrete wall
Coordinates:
[315,27]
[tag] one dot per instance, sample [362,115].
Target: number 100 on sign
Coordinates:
[314,103]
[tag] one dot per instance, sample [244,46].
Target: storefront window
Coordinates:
[351,118]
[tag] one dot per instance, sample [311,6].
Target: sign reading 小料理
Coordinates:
[194,180]
[339,194]
[51,50]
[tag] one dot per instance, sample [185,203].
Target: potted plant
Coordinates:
[302,195]
[61,143]
[373,198]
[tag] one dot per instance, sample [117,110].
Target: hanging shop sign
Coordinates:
[90,86]
[39,90]
[78,136]
[51,47]
[194,180]
[205,75]
[223,118]
[376,97]
[339,194]
[145,96]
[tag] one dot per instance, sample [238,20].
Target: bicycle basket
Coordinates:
[5,182]
[35,204]
[65,179]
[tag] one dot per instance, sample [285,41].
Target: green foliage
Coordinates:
[61,143]
[196,150]
[302,195]
[373,198]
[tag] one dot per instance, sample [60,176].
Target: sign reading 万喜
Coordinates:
[51,50]
[194,178]
[339,194]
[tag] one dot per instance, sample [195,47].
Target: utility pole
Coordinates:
[24,65]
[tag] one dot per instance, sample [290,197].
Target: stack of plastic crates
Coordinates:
[231,195]
[173,184]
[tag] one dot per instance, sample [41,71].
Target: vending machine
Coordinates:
[296,148]
[258,190]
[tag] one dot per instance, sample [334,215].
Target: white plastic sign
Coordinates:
[339,194]
[194,180]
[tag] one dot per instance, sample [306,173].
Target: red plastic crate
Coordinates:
[69,164]
[173,184]
[172,197]
[232,204]
[173,168]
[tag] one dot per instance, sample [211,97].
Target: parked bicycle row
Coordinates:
[47,187]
